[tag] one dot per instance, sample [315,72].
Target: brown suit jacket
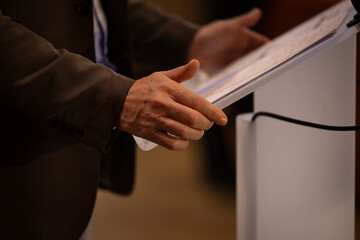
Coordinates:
[49,178]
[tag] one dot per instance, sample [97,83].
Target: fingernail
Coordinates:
[223,121]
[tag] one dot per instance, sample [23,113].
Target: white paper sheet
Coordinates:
[271,55]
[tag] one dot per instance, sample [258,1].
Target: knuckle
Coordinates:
[167,86]
[182,133]
[193,119]
[156,75]
[196,102]
[149,117]
[145,131]
[213,114]
[158,101]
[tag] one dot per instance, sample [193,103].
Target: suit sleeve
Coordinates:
[159,41]
[70,92]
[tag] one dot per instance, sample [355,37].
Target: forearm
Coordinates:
[57,86]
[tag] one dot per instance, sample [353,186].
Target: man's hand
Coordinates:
[161,110]
[218,43]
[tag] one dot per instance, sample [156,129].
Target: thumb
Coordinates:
[185,72]
[250,18]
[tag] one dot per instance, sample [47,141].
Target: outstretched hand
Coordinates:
[161,110]
[220,42]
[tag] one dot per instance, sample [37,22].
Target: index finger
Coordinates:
[200,104]
[256,39]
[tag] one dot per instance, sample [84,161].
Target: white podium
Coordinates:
[296,182]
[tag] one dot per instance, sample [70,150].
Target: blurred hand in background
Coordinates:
[220,42]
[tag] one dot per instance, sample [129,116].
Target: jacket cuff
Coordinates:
[100,132]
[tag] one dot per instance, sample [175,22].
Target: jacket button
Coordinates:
[83,9]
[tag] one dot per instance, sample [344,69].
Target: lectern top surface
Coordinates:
[245,74]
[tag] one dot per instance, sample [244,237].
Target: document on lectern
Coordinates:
[272,54]
[248,68]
